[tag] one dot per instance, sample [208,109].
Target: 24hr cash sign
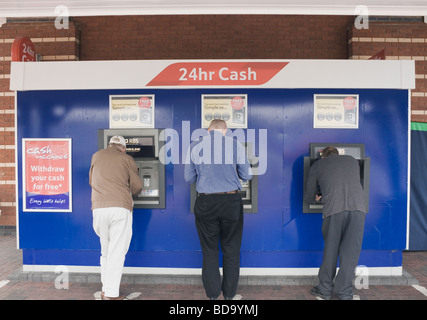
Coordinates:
[217,73]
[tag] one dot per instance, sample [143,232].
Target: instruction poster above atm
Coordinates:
[230,108]
[46,167]
[131,111]
[333,111]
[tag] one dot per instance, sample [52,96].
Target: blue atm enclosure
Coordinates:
[280,238]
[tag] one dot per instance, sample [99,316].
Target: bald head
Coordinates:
[218,124]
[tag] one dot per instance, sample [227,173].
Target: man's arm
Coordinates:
[90,172]
[135,182]
[244,170]
[190,173]
[311,186]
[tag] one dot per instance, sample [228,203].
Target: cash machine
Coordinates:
[356,150]
[249,191]
[143,145]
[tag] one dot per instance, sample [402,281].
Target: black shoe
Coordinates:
[316,292]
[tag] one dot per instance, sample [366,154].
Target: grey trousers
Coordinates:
[343,235]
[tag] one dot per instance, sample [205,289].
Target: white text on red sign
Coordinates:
[224,74]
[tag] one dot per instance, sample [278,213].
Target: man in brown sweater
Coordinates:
[114,178]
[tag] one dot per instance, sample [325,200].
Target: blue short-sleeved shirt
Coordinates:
[216,164]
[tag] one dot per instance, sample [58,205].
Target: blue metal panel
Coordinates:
[193,259]
[279,234]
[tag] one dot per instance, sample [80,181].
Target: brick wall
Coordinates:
[213,37]
[52,44]
[401,41]
[201,37]
[159,37]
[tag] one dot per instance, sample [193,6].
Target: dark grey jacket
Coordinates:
[339,181]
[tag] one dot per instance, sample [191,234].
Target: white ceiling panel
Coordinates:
[53,8]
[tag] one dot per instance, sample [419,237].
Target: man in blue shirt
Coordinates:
[217,162]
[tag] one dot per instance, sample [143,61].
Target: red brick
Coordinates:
[212,37]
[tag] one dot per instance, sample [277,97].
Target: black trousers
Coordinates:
[219,220]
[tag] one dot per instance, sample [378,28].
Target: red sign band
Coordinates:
[217,73]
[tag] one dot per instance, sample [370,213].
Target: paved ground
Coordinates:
[14,285]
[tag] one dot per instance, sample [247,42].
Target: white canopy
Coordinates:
[54,8]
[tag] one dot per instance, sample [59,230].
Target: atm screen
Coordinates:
[355,150]
[140,147]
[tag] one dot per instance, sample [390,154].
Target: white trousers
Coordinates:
[114,228]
